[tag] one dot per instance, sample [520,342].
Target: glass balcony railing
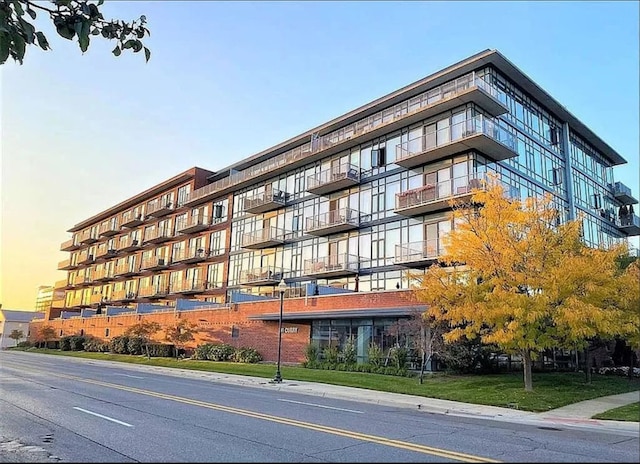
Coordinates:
[332,265]
[418,253]
[433,97]
[189,255]
[187,286]
[265,201]
[333,221]
[265,275]
[153,263]
[132,218]
[263,238]
[194,224]
[336,178]
[159,207]
[623,193]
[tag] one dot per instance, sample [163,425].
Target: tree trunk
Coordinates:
[526,367]
[587,363]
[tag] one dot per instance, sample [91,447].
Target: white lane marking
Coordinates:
[134,376]
[322,406]
[104,417]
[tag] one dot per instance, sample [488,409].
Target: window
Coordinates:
[556,176]
[378,157]
[106,332]
[596,201]
[217,211]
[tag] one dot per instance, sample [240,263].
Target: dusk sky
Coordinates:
[226,80]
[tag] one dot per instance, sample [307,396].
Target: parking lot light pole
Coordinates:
[282,287]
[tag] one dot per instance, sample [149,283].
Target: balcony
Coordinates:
[70,245]
[67,265]
[130,244]
[85,258]
[96,298]
[159,208]
[630,224]
[126,270]
[109,229]
[623,194]
[123,296]
[332,222]
[267,237]
[82,280]
[266,201]
[417,254]
[266,275]
[103,275]
[87,238]
[479,133]
[154,291]
[104,252]
[331,266]
[157,236]
[132,219]
[189,256]
[185,287]
[79,302]
[429,103]
[331,180]
[155,263]
[194,224]
[61,285]
[438,196]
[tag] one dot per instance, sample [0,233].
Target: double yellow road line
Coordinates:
[295,423]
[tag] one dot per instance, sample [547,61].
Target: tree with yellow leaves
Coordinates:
[515,277]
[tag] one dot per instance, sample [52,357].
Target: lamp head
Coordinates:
[282,287]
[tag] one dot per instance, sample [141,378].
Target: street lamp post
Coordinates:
[281,288]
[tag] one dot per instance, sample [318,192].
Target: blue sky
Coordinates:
[81,133]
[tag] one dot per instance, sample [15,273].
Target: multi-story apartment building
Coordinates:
[342,211]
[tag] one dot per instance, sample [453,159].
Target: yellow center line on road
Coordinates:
[282,420]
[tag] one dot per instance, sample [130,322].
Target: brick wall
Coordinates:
[215,325]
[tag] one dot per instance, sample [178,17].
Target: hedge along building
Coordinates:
[339,212]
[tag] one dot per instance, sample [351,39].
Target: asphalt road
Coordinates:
[55,409]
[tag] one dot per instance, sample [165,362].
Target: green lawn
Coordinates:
[630,412]
[551,390]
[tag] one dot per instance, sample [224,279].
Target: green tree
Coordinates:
[513,276]
[180,333]
[16,335]
[73,19]
[145,330]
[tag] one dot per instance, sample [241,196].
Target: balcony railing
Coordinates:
[158,236]
[630,224]
[331,180]
[158,208]
[187,286]
[267,237]
[266,275]
[437,196]
[61,284]
[109,229]
[154,291]
[67,265]
[269,200]
[332,265]
[70,245]
[123,295]
[82,280]
[126,270]
[479,133]
[154,263]
[132,219]
[623,193]
[194,224]
[189,255]
[103,275]
[105,252]
[85,258]
[469,87]
[88,237]
[129,244]
[418,254]
[96,298]
[332,222]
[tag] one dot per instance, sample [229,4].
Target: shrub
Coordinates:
[160,350]
[135,345]
[202,351]
[400,356]
[24,344]
[77,342]
[222,352]
[312,354]
[349,353]
[65,343]
[331,355]
[247,355]
[374,353]
[96,345]
[119,345]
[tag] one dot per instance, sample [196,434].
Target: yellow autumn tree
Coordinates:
[513,276]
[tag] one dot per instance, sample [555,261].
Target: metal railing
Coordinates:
[387,116]
[434,138]
[332,263]
[332,218]
[197,220]
[178,286]
[160,289]
[343,171]
[189,253]
[130,216]
[157,205]
[262,198]
[424,250]
[439,191]
[259,274]
[154,261]
[157,233]
[266,234]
